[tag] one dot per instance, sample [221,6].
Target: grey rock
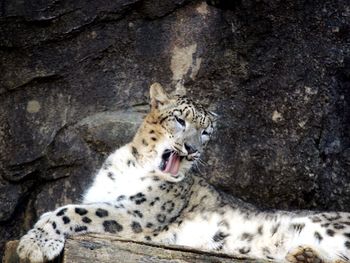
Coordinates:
[9,196]
[107,131]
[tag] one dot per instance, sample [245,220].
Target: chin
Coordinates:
[175,178]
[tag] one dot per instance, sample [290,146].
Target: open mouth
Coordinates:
[170,162]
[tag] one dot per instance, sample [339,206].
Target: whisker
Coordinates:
[198,169]
[202,162]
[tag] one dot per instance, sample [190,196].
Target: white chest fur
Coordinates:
[120,175]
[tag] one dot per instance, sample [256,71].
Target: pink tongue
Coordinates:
[173,164]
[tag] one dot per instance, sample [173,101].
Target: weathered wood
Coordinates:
[10,255]
[104,248]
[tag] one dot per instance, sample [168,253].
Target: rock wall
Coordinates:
[74,86]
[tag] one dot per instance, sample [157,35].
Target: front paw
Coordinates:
[38,246]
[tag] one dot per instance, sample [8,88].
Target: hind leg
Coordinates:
[303,254]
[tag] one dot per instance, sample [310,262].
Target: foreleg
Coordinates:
[46,240]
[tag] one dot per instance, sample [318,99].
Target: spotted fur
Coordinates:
[133,197]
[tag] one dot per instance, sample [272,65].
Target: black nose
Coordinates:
[190,149]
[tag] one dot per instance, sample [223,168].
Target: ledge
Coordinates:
[105,248]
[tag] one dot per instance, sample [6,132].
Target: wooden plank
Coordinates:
[10,255]
[103,249]
[95,248]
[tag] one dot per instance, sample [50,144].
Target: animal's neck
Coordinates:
[121,174]
[129,160]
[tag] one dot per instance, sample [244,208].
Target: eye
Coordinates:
[205,137]
[205,133]
[180,121]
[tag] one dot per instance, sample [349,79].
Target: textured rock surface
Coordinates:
[75,74]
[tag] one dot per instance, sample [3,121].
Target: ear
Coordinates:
[180,89]
[214,116]
[158,96]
